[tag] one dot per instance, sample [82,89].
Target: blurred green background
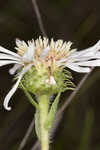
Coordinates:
[74,20]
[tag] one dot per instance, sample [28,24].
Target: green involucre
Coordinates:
[35,81]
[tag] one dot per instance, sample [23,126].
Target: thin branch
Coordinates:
[36,146]
[25,138]
[38,15]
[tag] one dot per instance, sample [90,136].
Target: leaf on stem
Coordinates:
[52,112]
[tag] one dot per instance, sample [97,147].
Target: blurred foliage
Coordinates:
[78,21]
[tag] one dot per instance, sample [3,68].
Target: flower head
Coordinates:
[47,57]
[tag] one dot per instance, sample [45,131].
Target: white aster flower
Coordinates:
[53,55]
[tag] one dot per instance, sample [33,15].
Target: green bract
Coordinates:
[35,81]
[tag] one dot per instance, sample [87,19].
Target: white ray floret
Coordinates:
[77,68]
[81,61]
[2,49]
[14,88]
[7,62]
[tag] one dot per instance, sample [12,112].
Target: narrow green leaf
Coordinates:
[52,112]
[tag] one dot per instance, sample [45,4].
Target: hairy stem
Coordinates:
[44,133]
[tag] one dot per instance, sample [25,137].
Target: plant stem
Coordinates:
[44,134]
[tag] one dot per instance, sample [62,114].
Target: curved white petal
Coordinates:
[14,68]
[77,68]
[89,51]
[80,59]
[4,50]
[95,47]
[9,95]
[7,62]
[89,63]
[14,88]
[7,56]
